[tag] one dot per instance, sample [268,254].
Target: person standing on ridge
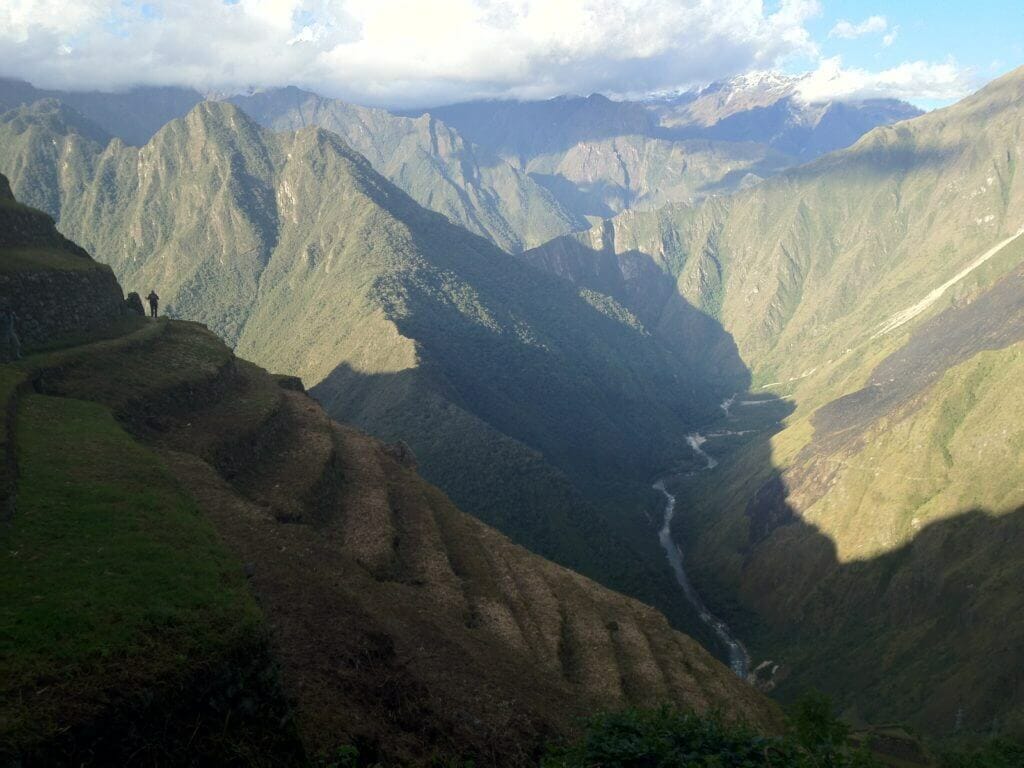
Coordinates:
[154,300]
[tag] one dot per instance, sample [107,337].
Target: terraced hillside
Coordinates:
[195,541]
[878,290]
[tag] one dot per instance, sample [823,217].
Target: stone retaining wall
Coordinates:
[50,302]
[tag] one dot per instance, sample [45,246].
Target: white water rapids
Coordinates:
[739,659]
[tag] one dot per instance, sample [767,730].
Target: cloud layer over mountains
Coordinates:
[414,53]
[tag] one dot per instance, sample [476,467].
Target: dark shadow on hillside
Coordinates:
[993,321]
[625,385]
[931,631]
[582,202]
[608,533]
[513,430]
[641,285]
[550,422]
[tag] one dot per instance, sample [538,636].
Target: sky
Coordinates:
[413,53]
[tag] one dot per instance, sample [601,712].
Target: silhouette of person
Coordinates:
[154,300]
[9,333]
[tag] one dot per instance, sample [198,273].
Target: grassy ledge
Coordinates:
[110,580]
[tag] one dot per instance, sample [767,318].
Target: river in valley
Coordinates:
[739,659]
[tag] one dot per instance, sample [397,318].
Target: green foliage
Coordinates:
[815,727]
[865,565]
[671,738]
[999,753]
[432,163]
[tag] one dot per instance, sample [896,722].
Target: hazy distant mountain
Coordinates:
[599,156]
[768,108]
[880,289]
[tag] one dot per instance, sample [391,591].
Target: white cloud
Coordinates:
[890,37]
[400,51]
[848,30]
[912,81]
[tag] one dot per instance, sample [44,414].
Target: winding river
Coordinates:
[739,659]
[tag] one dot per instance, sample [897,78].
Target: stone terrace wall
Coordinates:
[50,303]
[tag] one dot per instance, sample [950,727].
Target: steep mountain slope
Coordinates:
[541,408]
[426,158]
[604,177]
[521,130]
[431,162]
[133,115]
[50,148]
[150,463]
[599,156]
[879,290]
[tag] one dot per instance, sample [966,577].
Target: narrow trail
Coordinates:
[739,659]
[904,316]
[914,310]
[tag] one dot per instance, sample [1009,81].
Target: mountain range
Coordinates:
[806,319]
[540,408]
[523,173]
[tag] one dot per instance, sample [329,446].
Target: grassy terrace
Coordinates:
[110,580]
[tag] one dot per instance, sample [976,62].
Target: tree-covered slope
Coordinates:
[542,408]
[878,289]
[432,162]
